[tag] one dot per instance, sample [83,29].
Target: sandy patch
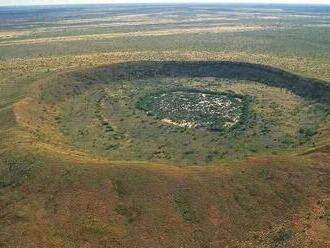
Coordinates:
[12,34]
[175,31]
[179,124]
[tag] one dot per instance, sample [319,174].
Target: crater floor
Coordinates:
[195,108]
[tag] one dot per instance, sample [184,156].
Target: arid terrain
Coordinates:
[165,126]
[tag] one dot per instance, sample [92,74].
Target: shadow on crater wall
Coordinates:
[305,87]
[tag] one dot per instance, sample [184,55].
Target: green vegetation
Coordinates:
[281,237]
[13,170]
[194,108]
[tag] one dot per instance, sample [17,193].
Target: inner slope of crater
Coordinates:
[188,112]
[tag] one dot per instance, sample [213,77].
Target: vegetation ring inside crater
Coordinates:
[195,108]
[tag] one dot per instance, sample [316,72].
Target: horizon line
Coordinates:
[165,3]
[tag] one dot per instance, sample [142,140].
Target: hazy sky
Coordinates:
[29,2]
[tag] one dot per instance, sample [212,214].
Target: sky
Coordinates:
[45,2]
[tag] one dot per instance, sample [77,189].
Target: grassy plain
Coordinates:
[58,190]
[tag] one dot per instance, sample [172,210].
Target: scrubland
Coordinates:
[81,166]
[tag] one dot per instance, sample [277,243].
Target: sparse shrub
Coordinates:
[190,152]
[307,132]
[183,205]
[281,236]
[13,170]
[327,212]
[58,119]
[112,147]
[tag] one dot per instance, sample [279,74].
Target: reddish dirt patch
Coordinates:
[85,244]
[41,216]
[214,216]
